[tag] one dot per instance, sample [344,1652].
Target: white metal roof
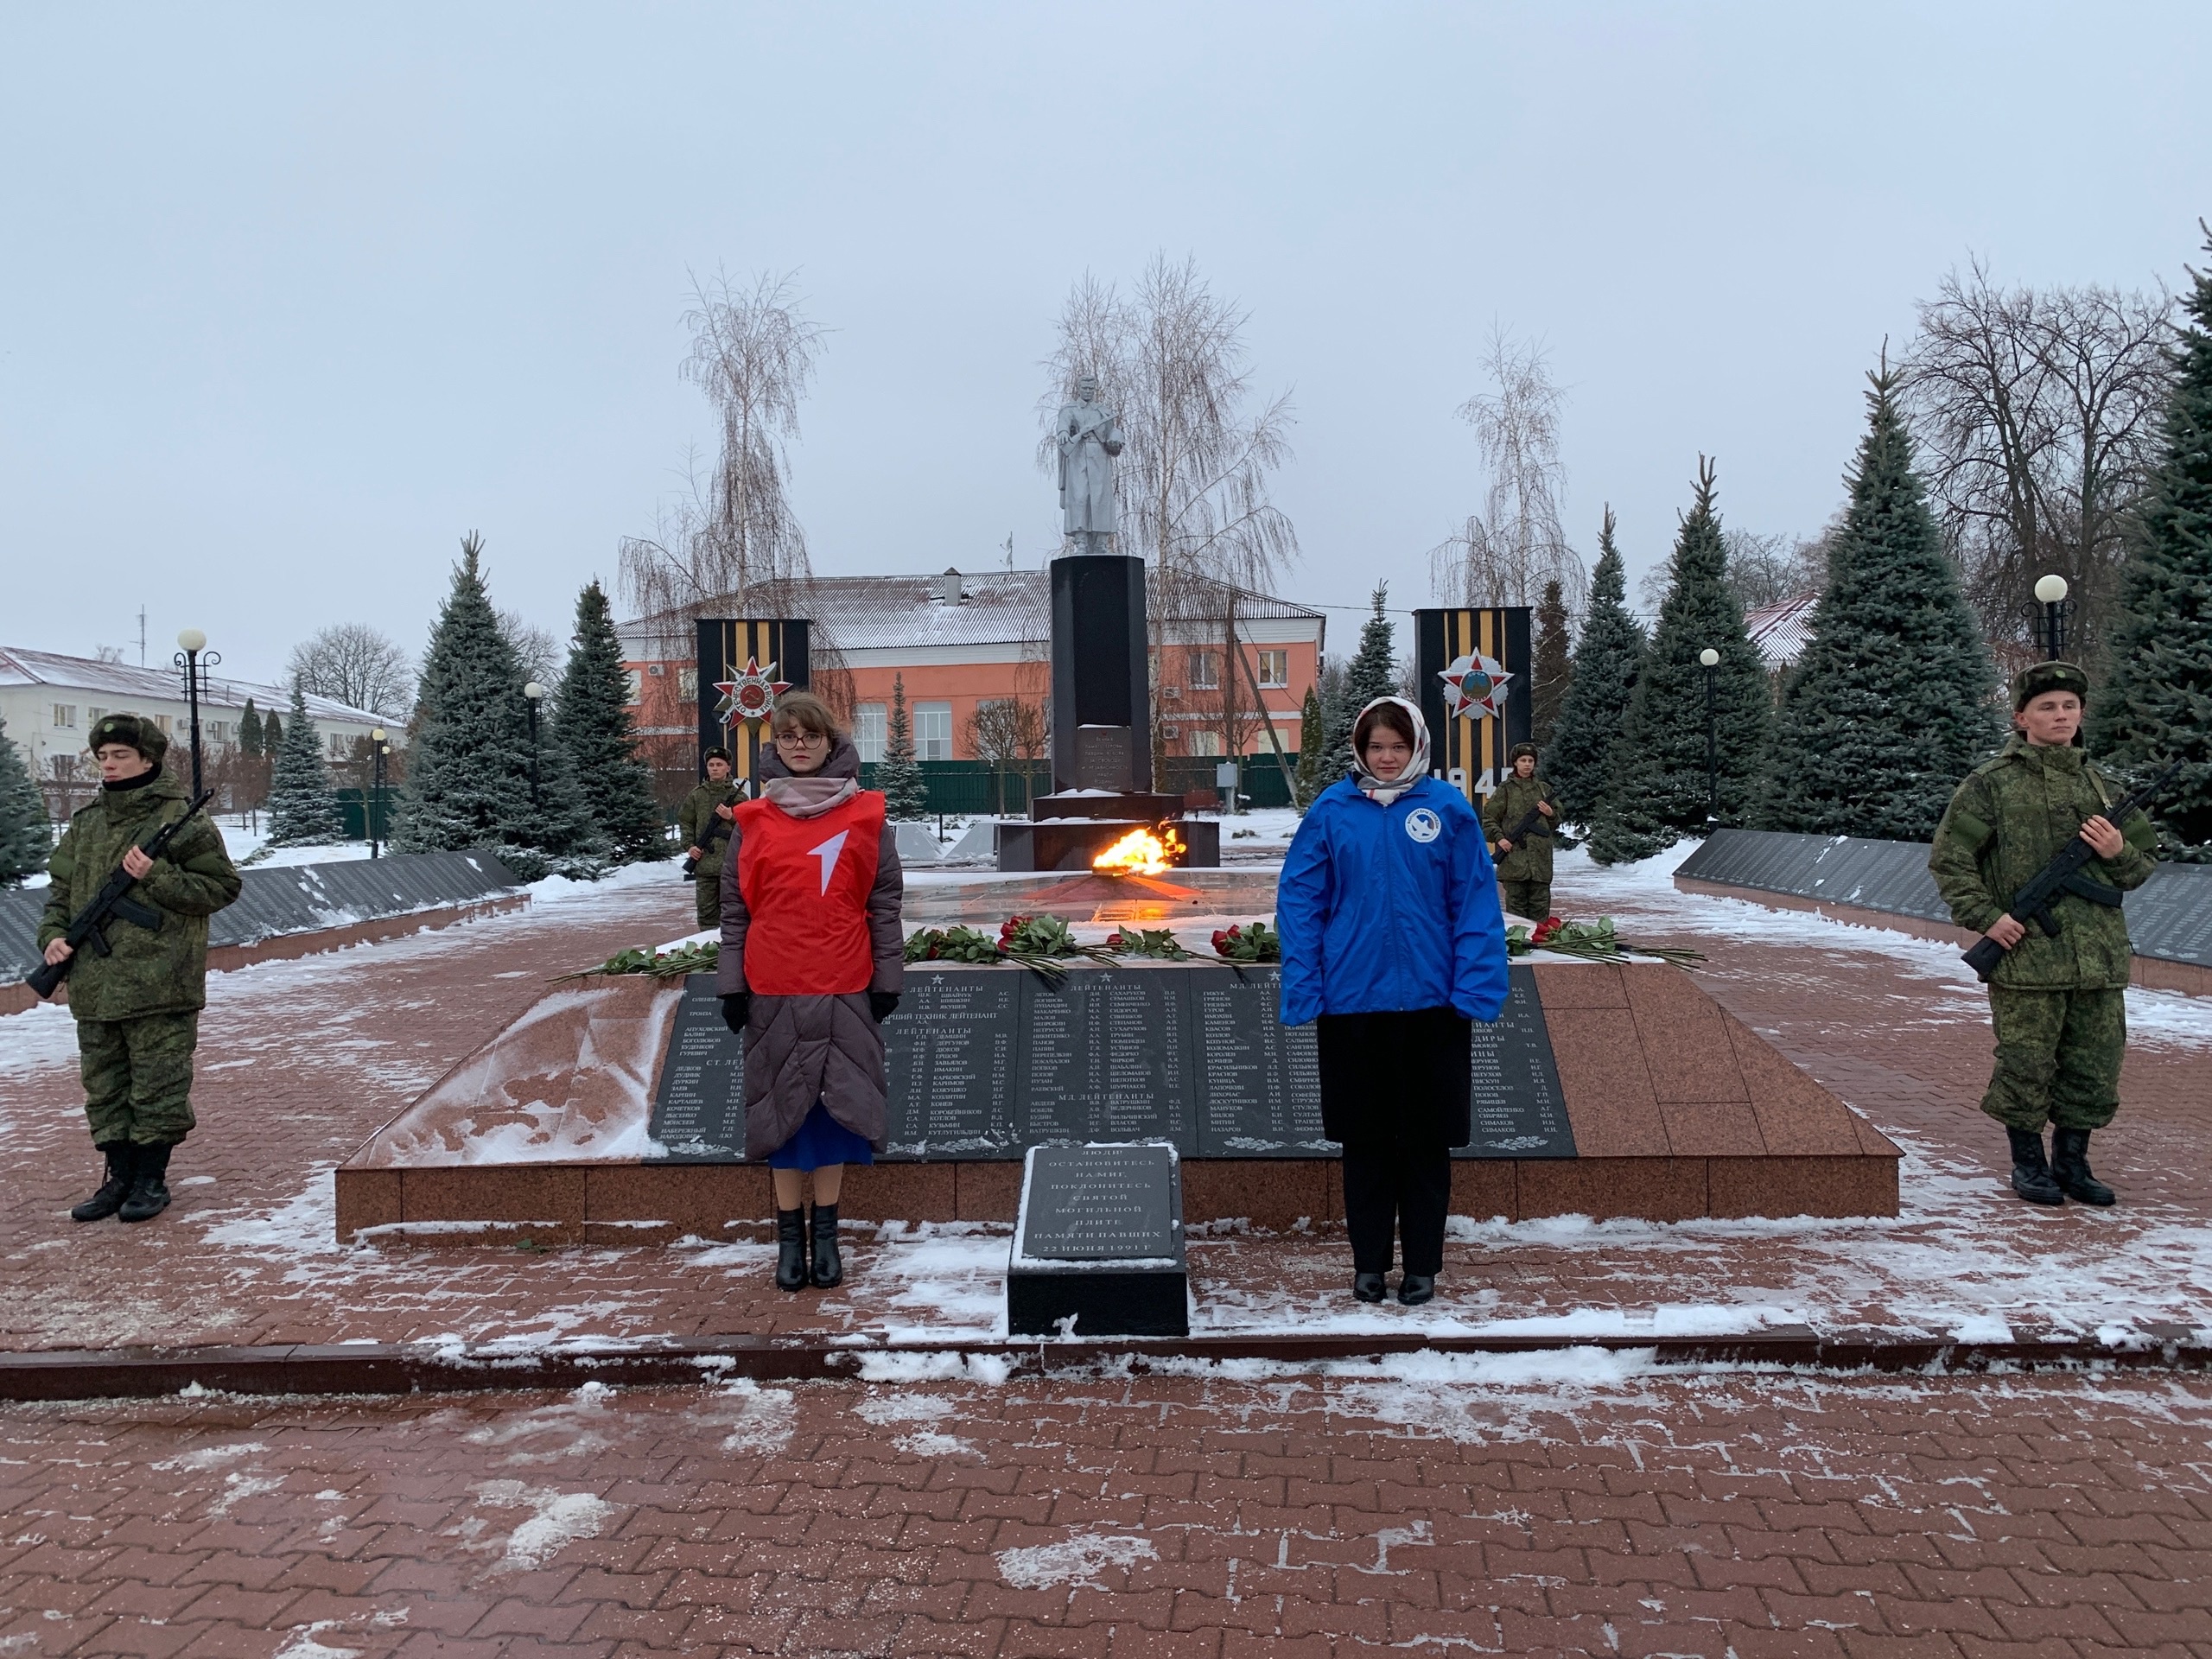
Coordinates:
[124,683]
[1782,629]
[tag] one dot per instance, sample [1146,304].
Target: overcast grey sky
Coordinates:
[290,298]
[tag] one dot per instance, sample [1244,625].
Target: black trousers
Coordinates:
[1391,1187]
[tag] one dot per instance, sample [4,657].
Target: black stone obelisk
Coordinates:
[1102,729]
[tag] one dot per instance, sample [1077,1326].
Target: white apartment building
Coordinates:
[50,702]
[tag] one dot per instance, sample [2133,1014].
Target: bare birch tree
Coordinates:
[732,538]
[352,663]
[1506,553]
[2038,411]
[1192,478]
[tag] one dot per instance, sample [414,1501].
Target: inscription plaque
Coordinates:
[949,1056]
[1105,1058]
[699,1108]
[1100,1204]
[1258,1084]
[1518,1110]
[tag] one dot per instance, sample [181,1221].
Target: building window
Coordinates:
[1274,667]
[633,686]
[933,731]
[219,731]
[1205,742]
[337,746]
[687,684]
[162,721]
[870,725]
[92,715]
[65,716]
[1205,671]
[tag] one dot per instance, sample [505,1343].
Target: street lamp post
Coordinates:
[195,659]
[2050,591]
[378,749]
[533,693]
[1709,660]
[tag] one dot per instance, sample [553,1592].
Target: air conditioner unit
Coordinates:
[1171,731]
[656,668]
[1171,691]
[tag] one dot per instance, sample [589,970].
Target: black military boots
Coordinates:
[2031,1175]
[114,1190]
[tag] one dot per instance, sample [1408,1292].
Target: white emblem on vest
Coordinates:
[1423,824]
[827,852]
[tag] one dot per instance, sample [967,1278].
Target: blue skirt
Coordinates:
[820,1140]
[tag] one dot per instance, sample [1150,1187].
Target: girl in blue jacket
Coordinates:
[1392,938]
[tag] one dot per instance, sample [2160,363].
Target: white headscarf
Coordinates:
[1383,790]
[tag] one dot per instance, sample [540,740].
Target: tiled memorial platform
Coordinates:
[1607,1091]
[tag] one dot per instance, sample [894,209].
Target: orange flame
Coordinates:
[1142,852]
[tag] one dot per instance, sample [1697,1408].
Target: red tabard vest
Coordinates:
[806,882]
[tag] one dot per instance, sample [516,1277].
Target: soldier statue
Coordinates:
[1089,438]
[2058,1004]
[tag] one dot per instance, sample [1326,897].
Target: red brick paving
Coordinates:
[1546,1508]
[301,1060]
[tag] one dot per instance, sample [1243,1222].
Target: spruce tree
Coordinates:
[469,764]
[1594,711]
[591,724]
[1553,668]
[1657,790]
[1893,701]
[1334,761]
[899,775]
[1372,673]
[272,735]
[303,810]
[2157,707]
[1310,720]
[250,732]
[26,842]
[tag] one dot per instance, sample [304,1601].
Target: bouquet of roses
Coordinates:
[699,958]
[1158,941]
[1249,942]
[950,944]
[1591,941]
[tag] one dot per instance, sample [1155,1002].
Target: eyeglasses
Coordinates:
[799,739]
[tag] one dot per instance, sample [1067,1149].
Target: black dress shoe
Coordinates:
[1369,1286]
[1414,1288]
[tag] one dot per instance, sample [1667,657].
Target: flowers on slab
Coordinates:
[1590,941]
[1156,942]
[1247,942]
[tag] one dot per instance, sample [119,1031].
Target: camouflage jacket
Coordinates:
[2007,821]
[1531,859]
[695,818]
[161,971]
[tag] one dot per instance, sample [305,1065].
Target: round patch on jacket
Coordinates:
[1423,825]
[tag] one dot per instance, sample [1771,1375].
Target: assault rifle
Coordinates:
[112,902]
[2062,875]
[1532,823]
[717,830]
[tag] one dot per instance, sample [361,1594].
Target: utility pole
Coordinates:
[142,636]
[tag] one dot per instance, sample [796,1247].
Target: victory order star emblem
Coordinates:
[750,696]
[1474,687]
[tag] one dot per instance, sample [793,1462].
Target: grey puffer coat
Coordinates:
[802,1048]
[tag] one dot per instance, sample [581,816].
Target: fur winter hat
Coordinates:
[2032,682]
[138,732]
[1519,749]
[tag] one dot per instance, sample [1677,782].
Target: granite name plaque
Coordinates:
[1105,1058]
[1258,1082]
[699,1108]
[1518,1110]
[949,1052]
[1097,1243]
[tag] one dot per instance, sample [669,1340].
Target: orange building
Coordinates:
[974,651]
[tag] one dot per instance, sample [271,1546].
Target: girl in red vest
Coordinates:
[812,962]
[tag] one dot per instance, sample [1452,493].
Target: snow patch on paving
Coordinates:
[304,1644]
[1075,1562]
[992,1370]
[212,1457]
[557,1520]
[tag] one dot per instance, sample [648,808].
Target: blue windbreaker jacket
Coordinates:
[1390,908]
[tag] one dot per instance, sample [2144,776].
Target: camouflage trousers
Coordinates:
[138,1078]
[707,890]
[2058,1055]
[1529,899]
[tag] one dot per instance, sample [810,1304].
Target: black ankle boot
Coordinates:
[791,1249]
[114,1190]
[2069,1168]
[149,1191]
[1414,1288]
[1369,1286]
[2031,1175]
[829,1266]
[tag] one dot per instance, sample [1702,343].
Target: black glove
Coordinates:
[882,1004]
[735,1006]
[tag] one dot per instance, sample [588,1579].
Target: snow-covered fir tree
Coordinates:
[1893,701]
[1372,673]
[1594,711]
[1553,671]
[592,725]
[2157,706]
[470,762]
[1657,790]
[250,731]
[26,842]
[899,775]
[1334,760]
[303,810]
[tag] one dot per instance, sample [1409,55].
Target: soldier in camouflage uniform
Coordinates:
[137,1009]
[2059,1004]
[1524,868]
[704,818]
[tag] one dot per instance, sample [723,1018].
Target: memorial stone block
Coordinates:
[1098,1244]
[699,1108]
